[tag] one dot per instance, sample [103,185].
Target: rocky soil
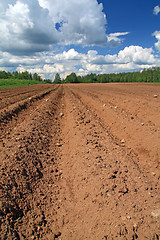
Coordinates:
[80,162]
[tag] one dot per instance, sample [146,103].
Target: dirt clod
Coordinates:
[156,213]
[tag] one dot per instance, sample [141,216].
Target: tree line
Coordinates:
[145,75]
[23,76]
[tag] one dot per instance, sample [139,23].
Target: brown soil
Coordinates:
[9,96]
[80,162]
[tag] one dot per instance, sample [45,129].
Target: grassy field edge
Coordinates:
[7,83]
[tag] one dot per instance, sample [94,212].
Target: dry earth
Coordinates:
[80,162]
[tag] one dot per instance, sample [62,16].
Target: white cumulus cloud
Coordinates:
[28,27]
[25,27]
[78,22]
[31,31]
[157,36]
[47,65]
[53,68]
[156,10]
[137,55]
[114,40]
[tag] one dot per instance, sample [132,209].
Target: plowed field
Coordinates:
[80,162]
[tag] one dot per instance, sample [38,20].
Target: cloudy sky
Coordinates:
[104,36]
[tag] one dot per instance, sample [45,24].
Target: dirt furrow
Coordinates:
[104,194]
[30,175]
[131,131]
[10,96]
[9,117]
[70,166]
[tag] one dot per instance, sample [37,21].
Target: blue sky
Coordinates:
[136,17]
[50,36]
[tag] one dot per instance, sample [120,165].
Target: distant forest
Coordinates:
[22,76]
[145,75]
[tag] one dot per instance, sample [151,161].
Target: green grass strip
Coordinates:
[6,83]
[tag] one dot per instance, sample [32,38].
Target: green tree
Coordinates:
[72,78]
[37,77]
[47,81]
[15,74]
[57,79]
[3,74]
